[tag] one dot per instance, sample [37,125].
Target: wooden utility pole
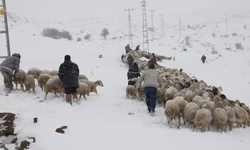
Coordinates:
[4,12]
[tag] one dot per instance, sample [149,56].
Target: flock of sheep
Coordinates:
[49,82]
[196,102]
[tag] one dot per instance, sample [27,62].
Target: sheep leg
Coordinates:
[208,127]
[46,95]
[178,122]
[84,97]
[203,128]
[170,123]
[21,86]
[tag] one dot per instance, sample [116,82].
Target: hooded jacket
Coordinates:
[10,64]
[68,74]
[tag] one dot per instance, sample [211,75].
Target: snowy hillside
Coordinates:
[109,120]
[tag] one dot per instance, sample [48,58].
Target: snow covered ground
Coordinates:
[103,121]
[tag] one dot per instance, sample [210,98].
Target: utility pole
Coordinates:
[130,35]
[161,25]
[180,26]
[4,12]
[144,27]
[152,23]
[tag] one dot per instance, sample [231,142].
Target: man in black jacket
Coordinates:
[68,74]
[203,59]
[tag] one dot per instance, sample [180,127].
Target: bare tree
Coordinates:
[105,33]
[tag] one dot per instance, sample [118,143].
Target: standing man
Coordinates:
[127,49]
[68,74]
[203,59]
[153,59]
[7,67]
[151,80]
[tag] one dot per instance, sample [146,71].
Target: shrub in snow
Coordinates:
[239,46]
[79,39]
[56,34]
[51,33]
[187,39]
[104,33]
[87,37]
[214,51]
[213,34]
[65,35]
[234,34]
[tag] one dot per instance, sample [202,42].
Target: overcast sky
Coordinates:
[62,9]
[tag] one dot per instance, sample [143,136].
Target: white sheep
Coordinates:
[54,72]
[81,76]
[172,111]
[35,72]
[92,85]
[203,118]
[82,90]
[54,84]
[189,112]
[29,83]
[241,115]
[189,95]
[169,93]
[42,79]
[231,119]
[131,91]
[182,103]
[20,79]
[220,119]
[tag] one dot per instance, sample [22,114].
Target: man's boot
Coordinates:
[75,98]
[68,98]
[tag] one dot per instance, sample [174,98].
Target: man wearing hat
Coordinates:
[7,67]
[68,74]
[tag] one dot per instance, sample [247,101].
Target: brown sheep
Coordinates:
[131,91]
[54,84]
[189,112]
[42,79]
[172,111]
[203,118]
[29,83]
[220,119]
[35,72]
[230,117]
[20,79]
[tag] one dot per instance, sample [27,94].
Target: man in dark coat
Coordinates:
[153,59]
[7,67]
[203,59]
[133,72]
[137,48]
[130,60]
[127,48]
[68,74]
